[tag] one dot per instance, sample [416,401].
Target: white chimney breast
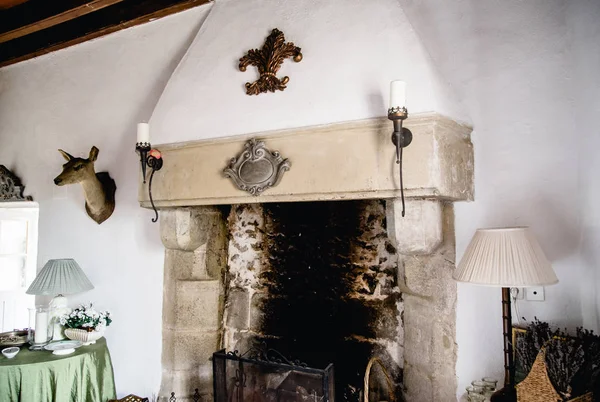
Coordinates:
[352,50]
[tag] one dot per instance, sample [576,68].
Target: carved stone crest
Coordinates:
[268,60]
[256,168]
[11,188]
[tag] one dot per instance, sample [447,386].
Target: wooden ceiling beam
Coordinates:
[33,16]
[4,4]
[120,16]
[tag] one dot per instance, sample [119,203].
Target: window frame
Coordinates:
[27,211]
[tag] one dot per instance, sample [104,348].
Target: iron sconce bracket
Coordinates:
[401,138]
[151,158]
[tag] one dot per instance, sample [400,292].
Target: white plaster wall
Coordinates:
[352,50]
[94,94]
[583,18]
[511,63]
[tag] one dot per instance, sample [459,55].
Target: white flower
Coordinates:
[85,316]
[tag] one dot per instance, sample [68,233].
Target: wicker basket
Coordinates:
[388,380]
[537,387]
[87,337]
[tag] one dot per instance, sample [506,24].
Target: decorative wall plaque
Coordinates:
[268,60]
[11,188]
[256,168]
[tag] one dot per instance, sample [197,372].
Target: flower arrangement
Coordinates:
[86,317]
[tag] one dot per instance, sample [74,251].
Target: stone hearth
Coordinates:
[225,259]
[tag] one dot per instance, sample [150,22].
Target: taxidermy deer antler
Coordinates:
[268,60]
[99,188]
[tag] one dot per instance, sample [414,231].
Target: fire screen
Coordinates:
[264,375]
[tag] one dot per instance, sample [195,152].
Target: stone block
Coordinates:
[246,249]
[444,347]
[215,257]
[418,332]
[198,305]
[238,309]
[419,275]
[417,348]
[184,384]
[256,311]
[419,387]
[179,264]
[186,228]
[189,350]
[444,387]
[455,164]
[169,294]
[243,341]
[420,231]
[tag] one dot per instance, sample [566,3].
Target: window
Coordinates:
[18,260]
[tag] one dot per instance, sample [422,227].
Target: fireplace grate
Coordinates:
[264,375]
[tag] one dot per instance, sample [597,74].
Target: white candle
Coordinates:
[143,132]
[41,327]
[397,94]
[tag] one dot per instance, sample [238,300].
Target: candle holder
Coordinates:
[143,148]
[151,158]
[40,332]
[401,138]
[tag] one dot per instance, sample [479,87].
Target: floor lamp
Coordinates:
[505,257]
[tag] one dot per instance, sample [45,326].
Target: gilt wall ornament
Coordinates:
[268,60]
[11,188]
[256,168]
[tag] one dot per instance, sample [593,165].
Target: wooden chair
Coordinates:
[130,398]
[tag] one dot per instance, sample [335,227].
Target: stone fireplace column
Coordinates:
[426,252]
[195,240]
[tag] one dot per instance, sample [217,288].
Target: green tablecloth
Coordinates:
[83,376]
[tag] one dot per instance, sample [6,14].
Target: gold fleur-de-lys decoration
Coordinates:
[268,60]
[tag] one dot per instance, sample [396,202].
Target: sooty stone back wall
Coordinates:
[323,286]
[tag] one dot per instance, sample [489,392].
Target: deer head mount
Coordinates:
[98,188]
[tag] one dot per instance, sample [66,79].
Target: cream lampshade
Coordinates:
[59,278]
[505,257]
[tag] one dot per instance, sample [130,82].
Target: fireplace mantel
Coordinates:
[350,160]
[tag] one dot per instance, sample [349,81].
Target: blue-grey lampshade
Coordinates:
[60,277]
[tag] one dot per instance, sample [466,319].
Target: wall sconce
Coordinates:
[148,157]
[401,137]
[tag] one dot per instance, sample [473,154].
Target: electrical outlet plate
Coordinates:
[535,293]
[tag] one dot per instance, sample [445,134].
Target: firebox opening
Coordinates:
[319,283]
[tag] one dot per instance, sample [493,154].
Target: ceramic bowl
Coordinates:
[10,352]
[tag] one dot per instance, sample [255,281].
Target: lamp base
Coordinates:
[506,394]
[58,307]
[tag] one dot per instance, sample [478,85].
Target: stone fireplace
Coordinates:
[322,267]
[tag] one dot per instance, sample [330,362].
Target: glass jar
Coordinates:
[475,393]
[490,383]
[472,389]
[40,331]
[480,384]
[476,398]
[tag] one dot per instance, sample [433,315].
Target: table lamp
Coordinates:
[58,278]
[505,257]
